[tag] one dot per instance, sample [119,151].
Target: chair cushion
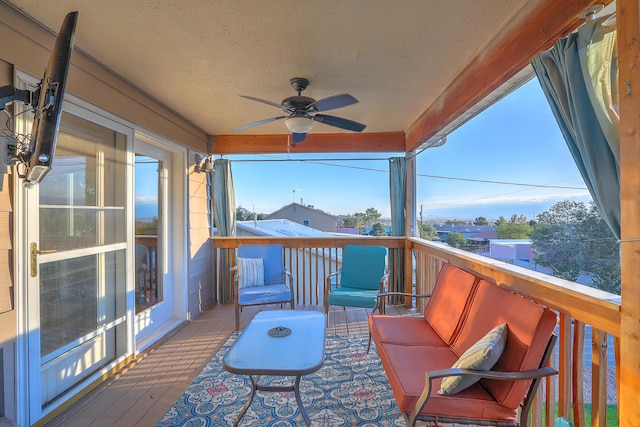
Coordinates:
[272,258]
[362,266]
[481,357]
[250,272]
[353,297]
[449,301]
[267,294]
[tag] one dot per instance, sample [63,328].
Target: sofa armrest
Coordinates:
[494,375]
[382,297]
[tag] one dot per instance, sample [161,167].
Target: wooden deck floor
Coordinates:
[141,393]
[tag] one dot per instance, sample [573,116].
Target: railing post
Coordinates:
[628,40]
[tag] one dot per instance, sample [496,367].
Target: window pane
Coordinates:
[83,197]
[75,301]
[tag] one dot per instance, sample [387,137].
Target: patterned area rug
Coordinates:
[351,389]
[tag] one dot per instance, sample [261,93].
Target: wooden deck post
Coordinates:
[411,223]
[628,22]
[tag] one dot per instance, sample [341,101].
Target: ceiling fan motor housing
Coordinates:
[297,103]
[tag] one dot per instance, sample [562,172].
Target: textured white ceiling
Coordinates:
[197,56]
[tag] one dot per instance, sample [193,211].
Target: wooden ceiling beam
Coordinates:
[375,142]
[536,28]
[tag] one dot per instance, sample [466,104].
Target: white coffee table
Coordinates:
[288,343]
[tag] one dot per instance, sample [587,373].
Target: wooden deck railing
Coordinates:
[419,261]
[309,259]
[146,271]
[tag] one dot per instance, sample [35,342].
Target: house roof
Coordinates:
[279,228]
[275,214]
[417,67]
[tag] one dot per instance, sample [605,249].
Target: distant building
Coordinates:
[307,216]
[348,230]
[511,249]
[475,234]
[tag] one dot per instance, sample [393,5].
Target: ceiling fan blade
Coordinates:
[264,101]
[339,122]
[299,137]
[261,122]
[332,102]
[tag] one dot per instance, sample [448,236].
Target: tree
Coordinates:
[479,221]
[369,217]
[454,222]
[564,212]
[556,242]
[350,222]
[569,237]
[378,230]
[240,214]
[456,239]
[555,248]
[428,231]
[601,255]
[516,228]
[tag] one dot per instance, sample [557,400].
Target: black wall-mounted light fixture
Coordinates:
[203,164]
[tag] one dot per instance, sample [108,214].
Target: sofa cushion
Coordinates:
[449,300]
[480,357]
[404,330]
[530,326]
[405,367]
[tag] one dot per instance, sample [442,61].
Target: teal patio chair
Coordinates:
[357,283]
[261,278]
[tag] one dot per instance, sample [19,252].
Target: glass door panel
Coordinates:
[148,231]
[80,251]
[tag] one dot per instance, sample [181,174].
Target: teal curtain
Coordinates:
[579,77]
[224,198]
[398,195]
[224,213]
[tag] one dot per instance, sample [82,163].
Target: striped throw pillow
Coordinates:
[250,272]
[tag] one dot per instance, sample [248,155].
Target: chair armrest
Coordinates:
[494,375]
[327,282]
[380,302]
[288,278]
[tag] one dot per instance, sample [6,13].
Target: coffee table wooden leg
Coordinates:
[296,392]
[254,387]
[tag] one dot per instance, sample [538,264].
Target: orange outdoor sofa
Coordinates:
[470,317]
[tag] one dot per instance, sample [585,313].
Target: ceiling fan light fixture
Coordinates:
[299,124]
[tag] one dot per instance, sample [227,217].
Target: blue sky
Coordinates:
[516,140]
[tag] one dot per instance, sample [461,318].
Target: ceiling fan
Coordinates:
[302,111]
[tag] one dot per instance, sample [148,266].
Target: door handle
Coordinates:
[33,250]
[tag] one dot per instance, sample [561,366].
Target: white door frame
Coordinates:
[173,310]
[29,410]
